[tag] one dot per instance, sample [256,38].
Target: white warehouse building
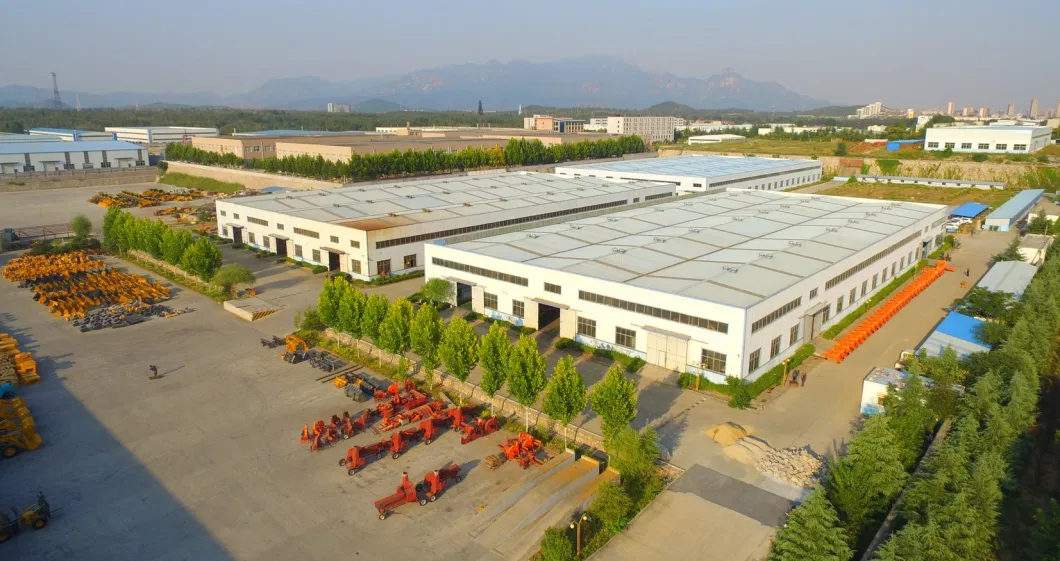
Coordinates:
[71,135]
[723,284]
[988,139]
[160,135]
[379,230]
[57,156]
[707,173]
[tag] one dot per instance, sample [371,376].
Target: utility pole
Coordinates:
[55,92]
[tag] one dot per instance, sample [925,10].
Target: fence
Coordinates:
[78,173]
[191,279]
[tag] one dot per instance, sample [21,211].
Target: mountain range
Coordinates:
[601,81]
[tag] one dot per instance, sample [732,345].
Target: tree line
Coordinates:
[198,257]
[367,167]
[951,507]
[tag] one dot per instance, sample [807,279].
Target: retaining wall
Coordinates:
[29,183]
[249,179]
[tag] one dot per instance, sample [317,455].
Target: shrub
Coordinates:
[979,157]
[41,247]
[527,330]
[309,320]
[317,269]
[739,394]
[472,316]
[564,343]
[557,545]
[686,380]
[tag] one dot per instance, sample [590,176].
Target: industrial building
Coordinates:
[342,152]
[722,284]
[72,135]
[555,124]
[338,108]
[160,135]
[651,129]
[715,138]
[8,138]
[58,156]
[380,230]
[956,331]
[988,139]
[1013,210]
[262,144]
[706,173]
[1008,276]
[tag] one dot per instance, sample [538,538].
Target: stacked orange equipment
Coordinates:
[847,343]
[16,367]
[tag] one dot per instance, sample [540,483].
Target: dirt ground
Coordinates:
[917,194]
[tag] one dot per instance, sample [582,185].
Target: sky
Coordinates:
[905,53]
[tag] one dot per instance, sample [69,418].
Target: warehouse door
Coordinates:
[237,234]
[281,247]
[333,261]
[814,320]
[667,351]
[463,293]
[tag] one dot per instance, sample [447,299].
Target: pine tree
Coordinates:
[909,418]
[875,455]
[811,533]
[1022,407]
[494,353]
[1046,545]
[916,542]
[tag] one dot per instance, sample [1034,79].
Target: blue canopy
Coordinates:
[969,210]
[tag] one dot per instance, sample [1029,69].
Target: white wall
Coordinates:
[686,184]
[970,139]
[55,161]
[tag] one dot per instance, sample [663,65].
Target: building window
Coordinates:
[1019,146]
[355,243]
[257,221]
[625,337]
[279,226]
[839,304]
[587,327]
[518,308]
[753,360]
[265,242]
[697,184]
[984,145]
[875,279]
[489,300]
[813,294]
[933,144]
[410,261]
[223,213]
[304,232]
[826,313]
[334,239]
[355,266]
[316,256]
[949,145]
[793,336]
[652,311]
[883,278]
[553,288]
[297,250]
[864,288]
[853,294]
[383,267]
[966,146]
[250,238]
[774,347]
[901,264]
[710,360]
[1001,147]
[776,314]
[224,231]
[893,267]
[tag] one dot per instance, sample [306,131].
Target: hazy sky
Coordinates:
[901,52]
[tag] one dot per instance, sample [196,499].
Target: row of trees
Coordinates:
[366,167]
[951,506]
[199,257]
[397,328]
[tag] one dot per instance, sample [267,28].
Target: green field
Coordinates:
[201,183]
[913,193]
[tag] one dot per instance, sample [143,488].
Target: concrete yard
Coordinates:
[23,209]
[205,463]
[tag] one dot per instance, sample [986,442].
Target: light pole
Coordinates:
[577,527]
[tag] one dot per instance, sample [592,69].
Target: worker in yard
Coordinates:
[804,379]
[968,272]
[154,372]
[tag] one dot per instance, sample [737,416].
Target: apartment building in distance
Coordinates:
[651,129]
[554,124]
[338,108]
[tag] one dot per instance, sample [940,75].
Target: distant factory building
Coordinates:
[72,135]
[1005,139]
[161,135]
[338,108]
[29,157]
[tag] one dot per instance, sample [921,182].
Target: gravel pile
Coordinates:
[795,466]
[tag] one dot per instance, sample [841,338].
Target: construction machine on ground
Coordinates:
[296,349]
[522,449]
[436,481]
[34,516]
[406,493]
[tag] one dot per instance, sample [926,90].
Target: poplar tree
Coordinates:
[614,399]
[526,373]
[565,394]
[426,334]
[494,354]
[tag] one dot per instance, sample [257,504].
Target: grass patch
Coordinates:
[740,392]
[631,363]
[882,294]
[197,286]
[351,354]
[920,194]
[389,280]
[202,183]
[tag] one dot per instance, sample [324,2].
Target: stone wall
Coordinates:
[249,179]
[939,169]
[504,406]
[73,180]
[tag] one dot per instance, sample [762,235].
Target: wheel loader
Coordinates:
[296,350]
[34,516]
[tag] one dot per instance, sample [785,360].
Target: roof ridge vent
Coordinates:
[446,193]
[531,235]
[659,209]
[832,229]
[765,255]
[467,204]
[503,200]
[659,239]
[853,220]
[426,210]
[575,227]
[795,243]
[369,201]
[618,249]
[394,214]
[336,205]
[410,196]
[694,230]
[730,269]
[737,219]
[612,219]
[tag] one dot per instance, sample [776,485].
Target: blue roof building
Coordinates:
[969,210]
[896,145]
[958,331]
[1014,210]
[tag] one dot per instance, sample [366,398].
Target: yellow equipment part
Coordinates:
[22,438]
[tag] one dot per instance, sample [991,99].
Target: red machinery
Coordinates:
[401,440]
[436,481]
[478,428]
[406,493]
[321,436]
[522,449]
[357,456]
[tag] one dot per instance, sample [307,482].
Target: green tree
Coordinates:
[395,329]
[174,244]
[480,107]
[557,545]
[438,291]
[459,348]
[634,453]
[916,542]
[1039,224]
[231,275]
[613,507]
[1011,253]
[841,149]
[375,310]
[614,399]
[494,354]
[909,417]
[1046,546]
[945,373]
[526,373]
[351,307]
[109,229]
[201,259]
[565,394]
[309,320]
[811,533]
[851,495]
[426,334]
[81,226]
[985,303]
[863,482]
[328,300]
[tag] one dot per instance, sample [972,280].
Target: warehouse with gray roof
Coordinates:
[721,284]
[379,230]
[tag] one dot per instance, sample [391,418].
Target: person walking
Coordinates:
[803,379]
[968,272]
[154,372]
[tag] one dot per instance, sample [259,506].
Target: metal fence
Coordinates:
[73,173]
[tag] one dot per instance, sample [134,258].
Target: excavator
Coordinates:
[34,516]
[296,349]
